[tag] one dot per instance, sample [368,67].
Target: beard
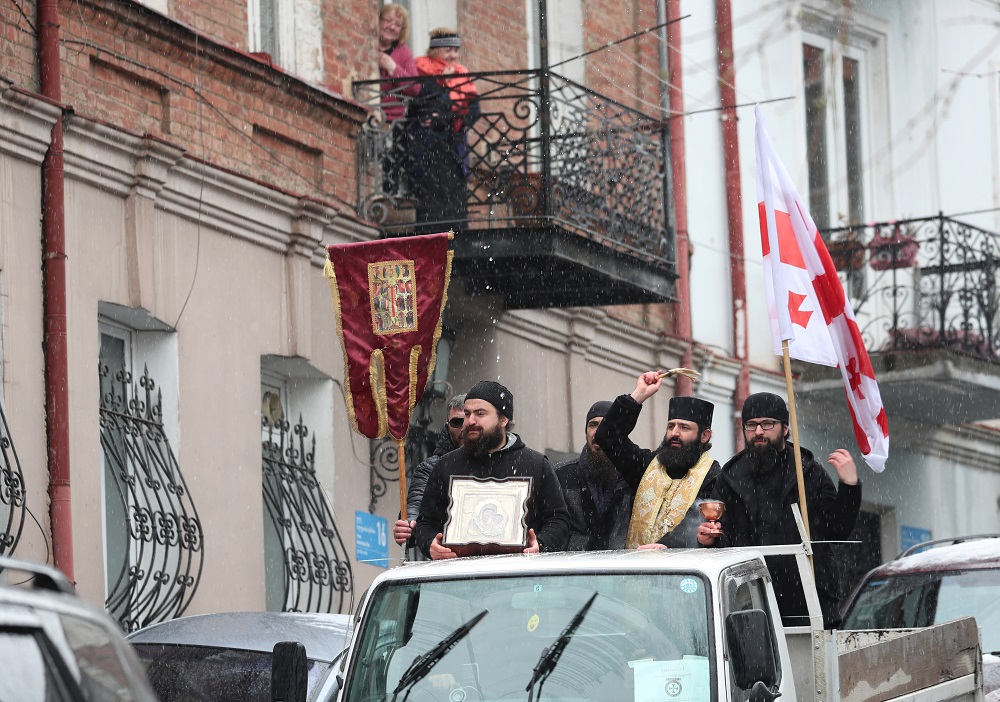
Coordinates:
[766,455]
[678,458]
[481,446]
[599,467]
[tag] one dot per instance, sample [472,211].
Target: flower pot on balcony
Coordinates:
[897,250]
[847,254]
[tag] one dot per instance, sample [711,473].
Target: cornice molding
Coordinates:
[25,123]
[123,163]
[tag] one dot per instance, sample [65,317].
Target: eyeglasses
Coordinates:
[456,422]
[766,425]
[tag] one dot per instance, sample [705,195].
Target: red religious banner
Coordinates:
[388,296]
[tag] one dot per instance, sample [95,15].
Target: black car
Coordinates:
[228,656]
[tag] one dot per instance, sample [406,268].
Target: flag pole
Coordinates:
[795,440]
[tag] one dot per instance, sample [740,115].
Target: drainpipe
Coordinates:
[54,276]
[734,197]
[673,101]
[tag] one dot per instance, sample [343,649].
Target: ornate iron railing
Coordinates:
[513,158]
[12,497]
[162,564]
[318,572]
[927,283]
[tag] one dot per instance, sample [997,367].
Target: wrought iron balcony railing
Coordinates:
[928,283]
[522,153]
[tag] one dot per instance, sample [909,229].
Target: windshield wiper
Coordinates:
[422,665]
[550,655]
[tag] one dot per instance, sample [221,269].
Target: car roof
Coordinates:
[709,561]
[324,635]
[967,555]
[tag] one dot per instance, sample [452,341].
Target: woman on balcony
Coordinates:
[395,61]
[440,117]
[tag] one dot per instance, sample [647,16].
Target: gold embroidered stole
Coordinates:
[661,502]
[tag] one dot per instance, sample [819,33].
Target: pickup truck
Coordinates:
[697,625]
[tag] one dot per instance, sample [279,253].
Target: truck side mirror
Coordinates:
[751,652]
[289,672]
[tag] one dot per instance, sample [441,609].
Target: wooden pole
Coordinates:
[793,420]
[401,453]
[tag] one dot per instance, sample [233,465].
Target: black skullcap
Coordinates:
[691,409]
[494,393]
[765,404]
[598,409]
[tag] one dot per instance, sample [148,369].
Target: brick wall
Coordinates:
[18,43]
[350,28]
[494,35]
[147,74]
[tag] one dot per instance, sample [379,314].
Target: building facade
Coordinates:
[211,151]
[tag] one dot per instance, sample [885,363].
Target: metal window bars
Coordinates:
[12,495]
[318,573]
[156,577]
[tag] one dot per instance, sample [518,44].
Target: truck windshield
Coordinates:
[924,599]
[642,633]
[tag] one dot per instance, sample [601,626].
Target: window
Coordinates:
[834,137]
[152,534]
[747,590]
[565,30]
[306,567]
[843,72]
[291,33]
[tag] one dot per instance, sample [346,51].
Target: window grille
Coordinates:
[318,573]
[11,490]
[160,570]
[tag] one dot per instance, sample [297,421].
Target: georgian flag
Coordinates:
[806,303]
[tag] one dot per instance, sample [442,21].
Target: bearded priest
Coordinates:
[670,481]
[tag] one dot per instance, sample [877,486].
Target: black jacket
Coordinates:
[546,506]
[588,529]
[418,481]
[631,461]
[758,513]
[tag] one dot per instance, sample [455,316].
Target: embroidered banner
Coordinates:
[388,296]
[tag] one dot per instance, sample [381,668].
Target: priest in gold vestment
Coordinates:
[670,481]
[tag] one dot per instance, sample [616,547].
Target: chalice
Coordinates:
[711,511]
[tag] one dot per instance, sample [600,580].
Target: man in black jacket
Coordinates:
[491,450]
[598,498]
[669,482]
[449,439]
[759,485]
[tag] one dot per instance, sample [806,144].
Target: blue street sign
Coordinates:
[371,539]
[911,536]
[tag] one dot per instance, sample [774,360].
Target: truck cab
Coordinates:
[681,625]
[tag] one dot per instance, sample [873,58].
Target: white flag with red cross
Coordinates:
[806,303]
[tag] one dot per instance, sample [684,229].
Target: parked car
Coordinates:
[228,656]
[934,582]
[55,646]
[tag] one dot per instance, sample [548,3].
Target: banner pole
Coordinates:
[793,419]
[401,458]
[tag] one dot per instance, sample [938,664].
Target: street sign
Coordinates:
[911,536]
[371,539]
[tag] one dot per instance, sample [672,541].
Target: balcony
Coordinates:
[557,195]
[926,293]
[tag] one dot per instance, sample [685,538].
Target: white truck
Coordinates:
[650,626]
